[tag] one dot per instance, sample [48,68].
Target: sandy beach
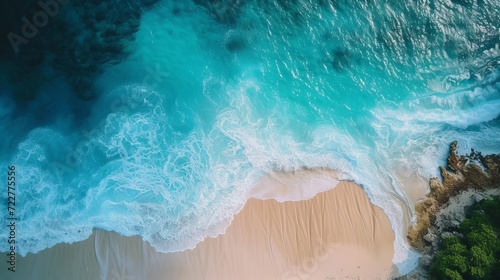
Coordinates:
[338,234]
[247,140]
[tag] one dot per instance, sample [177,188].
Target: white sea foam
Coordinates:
[174,160]
[460,109]
[328,148]
[415,138]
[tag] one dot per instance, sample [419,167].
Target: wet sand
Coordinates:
[338,234]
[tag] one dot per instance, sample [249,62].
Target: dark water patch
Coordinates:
[11,13]
[341,59]
[224,11]
[465,3]
[49,77]
[76,38]
[235,41]
[104,32]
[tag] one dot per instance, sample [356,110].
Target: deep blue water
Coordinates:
[156,119]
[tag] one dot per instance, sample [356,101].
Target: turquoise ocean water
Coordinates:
[213,95]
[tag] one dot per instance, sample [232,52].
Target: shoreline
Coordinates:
[470,172]
[337,233]
[465,181]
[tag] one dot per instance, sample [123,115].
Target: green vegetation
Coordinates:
[476,255]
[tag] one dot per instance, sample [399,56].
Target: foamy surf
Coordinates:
[208,108]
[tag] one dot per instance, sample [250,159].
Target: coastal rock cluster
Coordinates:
[469,179]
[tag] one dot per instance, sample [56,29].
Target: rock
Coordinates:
[426,260]
[478,197]
[446,234]
[456,162]
[465,180]
[430,237]
[435,184]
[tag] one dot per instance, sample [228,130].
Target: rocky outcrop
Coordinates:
[448,218]
[468,179]
[469,172]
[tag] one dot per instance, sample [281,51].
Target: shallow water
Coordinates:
[203,100]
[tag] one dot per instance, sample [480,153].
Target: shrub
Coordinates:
[477,254]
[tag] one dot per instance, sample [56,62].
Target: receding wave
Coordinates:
[166,132]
